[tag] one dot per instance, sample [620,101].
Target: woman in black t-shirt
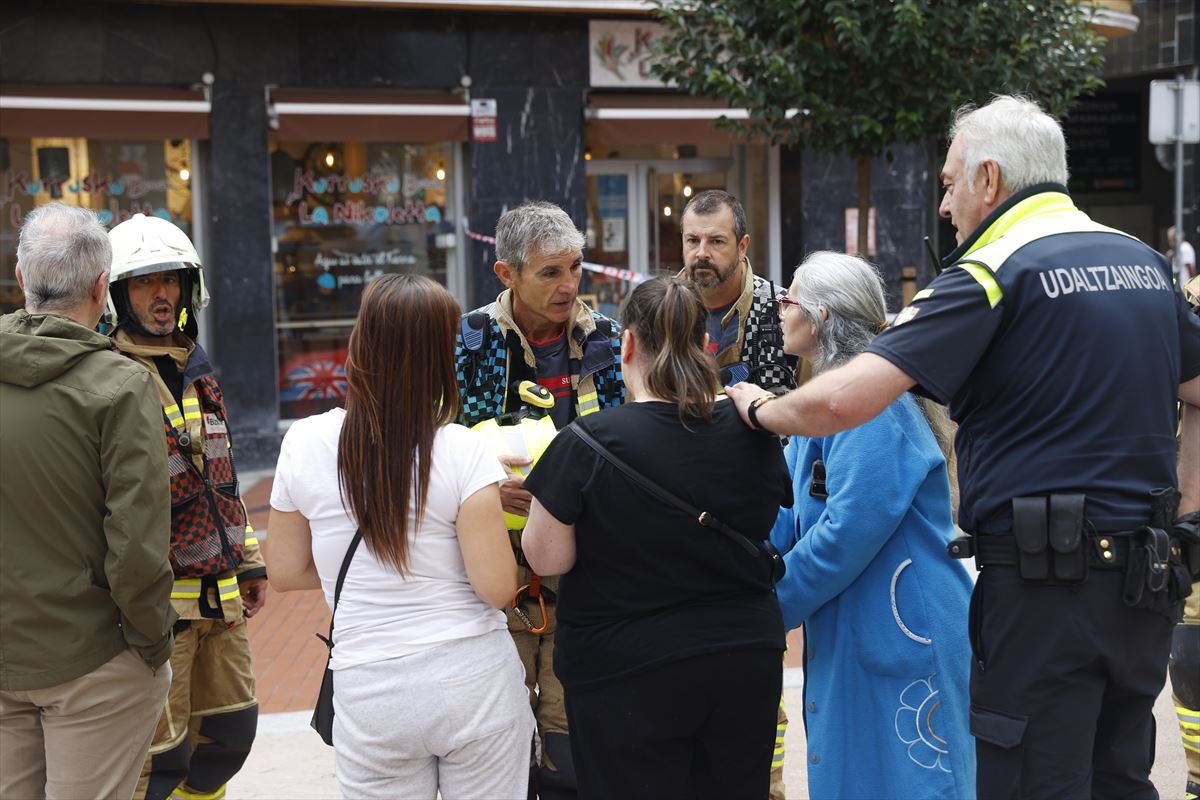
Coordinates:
[670,639]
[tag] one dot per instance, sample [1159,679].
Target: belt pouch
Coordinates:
[1066,537]
[1136,568]
[1031,535]
[1148,572]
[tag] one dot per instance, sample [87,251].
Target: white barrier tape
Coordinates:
[619,273]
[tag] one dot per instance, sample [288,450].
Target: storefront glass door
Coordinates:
[634,209]
[669,187]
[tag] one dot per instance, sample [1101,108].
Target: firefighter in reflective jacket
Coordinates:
[208,725]
[1185,645]
[538,331]
[525,434]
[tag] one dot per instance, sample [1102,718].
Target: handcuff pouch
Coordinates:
[1031,535]
[1065,533]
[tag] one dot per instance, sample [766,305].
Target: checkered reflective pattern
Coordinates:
[483,375]
[202,520]
[763,352]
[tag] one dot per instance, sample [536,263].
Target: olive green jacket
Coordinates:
[85,514]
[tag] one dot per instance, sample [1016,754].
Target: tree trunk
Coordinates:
[864,204]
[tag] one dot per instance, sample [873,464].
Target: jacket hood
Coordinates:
[35,348]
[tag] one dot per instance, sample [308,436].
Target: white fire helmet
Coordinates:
[143,245]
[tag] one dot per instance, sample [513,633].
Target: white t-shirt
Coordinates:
[382,614]
[1187,256]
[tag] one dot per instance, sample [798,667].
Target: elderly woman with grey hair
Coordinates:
[884,610]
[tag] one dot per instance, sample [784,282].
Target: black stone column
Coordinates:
[901,193]
[791,209]
[240,270]
[536,70]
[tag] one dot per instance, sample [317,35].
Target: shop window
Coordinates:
[345,213]
[637,190]
[115,178]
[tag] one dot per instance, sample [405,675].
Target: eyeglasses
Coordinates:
[784,302]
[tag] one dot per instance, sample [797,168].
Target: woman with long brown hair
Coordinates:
[428,691]
[670,639]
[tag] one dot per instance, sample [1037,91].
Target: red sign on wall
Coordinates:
[483,120]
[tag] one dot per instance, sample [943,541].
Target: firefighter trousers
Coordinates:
[554,778]
[1185,685]
[211,715]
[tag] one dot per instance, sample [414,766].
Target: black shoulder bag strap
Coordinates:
[322,718]
[337,589]
[765,548]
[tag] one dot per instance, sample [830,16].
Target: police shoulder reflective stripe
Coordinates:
[984,277]
[921,295]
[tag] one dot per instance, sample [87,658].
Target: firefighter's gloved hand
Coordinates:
[513,496]
[254,595]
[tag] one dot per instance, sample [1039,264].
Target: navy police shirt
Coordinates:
[1059,345]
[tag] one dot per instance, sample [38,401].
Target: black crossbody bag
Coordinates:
[760,548]
[322,718]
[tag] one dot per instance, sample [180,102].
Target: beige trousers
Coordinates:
[83,738]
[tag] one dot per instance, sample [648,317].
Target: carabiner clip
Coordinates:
[520,612]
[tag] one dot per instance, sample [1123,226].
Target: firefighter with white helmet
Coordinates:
[208,724]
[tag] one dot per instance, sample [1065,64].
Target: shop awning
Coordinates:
[369,116]
[624,119]
[103,112]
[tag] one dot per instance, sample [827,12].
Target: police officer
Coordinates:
[1060,346]
[538,330]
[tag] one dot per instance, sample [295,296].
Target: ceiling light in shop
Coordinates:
[687,190]
[441,172]
[185,174]
[666,211]
[329,158]
[587,154]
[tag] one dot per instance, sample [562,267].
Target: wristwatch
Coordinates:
[752,411]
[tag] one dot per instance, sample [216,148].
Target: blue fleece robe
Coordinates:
[884,609]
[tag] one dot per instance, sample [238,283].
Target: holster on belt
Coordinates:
[1187,531]
[1048,532]
[1155,577]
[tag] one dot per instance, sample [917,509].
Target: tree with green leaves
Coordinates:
[855,76]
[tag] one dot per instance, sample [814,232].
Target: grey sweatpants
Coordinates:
[453,719]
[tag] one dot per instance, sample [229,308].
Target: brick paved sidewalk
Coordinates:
[288,658]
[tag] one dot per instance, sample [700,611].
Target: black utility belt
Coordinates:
[1052,543]
[1103,550]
